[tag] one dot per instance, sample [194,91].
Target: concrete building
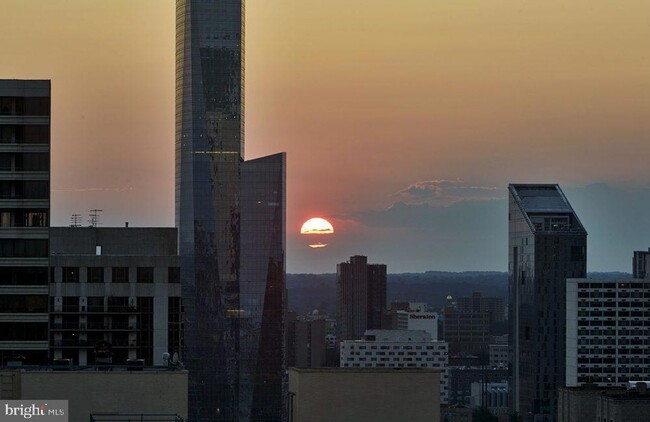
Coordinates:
[352,395]
[398,349]
[607,331]
[230,215]
[24,219]
[360,297]
[417,317]
[499,355]
[547,244]
[117,288]
[147,391]
[478,303]
[592,403]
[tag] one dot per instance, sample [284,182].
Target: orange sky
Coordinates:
[367,98]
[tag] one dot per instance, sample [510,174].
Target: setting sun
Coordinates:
[317,226]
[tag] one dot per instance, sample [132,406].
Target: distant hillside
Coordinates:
[318,291]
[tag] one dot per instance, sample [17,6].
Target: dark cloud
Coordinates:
[443,192]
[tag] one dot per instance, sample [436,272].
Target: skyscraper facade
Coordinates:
[361,297]
[547,244]
[230,215]
[24,220]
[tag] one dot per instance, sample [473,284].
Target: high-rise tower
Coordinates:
[230,215]
[24,220]
[547,244]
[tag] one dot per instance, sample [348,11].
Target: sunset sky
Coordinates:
[403,121]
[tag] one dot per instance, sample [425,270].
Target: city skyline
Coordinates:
[403,128]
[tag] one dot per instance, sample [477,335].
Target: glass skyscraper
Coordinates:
[547,245]
[231,217]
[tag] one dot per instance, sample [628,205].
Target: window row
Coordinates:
[27,161]
[25,134]
[118,274]
[23,217]
[24,189]
[23,248]
[24,106]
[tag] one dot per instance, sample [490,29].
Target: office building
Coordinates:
[361,297]
[117,289]
[592,403]
[639,263]
[352,395]
[607,332]
[547,244]
[478,303]
[466,332]
[491,395]
[148,394]
[24,220]
[230,216]
[398,349]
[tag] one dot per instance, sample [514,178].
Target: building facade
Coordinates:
[639,263]
[547,244]
[479,303]
[466,332]
[361,297]
[499,355]
[398,349]
[117,289]
[351,395]
[230,216]
[607,332]
[24,220]
[592,403]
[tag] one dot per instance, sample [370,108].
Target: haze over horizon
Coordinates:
[403,125]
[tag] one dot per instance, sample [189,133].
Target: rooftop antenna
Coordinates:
[94,218]
[75,220]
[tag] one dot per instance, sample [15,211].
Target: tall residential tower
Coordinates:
[230,215]
[547,244]
[24,220]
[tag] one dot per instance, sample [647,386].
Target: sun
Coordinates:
[317,226]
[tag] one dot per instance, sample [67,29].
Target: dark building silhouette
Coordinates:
[639,262]
[547,244]
[479,303]
[230,216]
[24,220]
[361,297]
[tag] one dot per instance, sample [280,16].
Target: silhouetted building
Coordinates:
[116,288]
[230,216]
[361,297]
[308,343]
[461,379]
[547,245]
[607,331]
[478,303]
[24,220]
[639,263]
[466,332]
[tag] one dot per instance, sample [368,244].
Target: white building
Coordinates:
[418,318]
[607,331]
[398,349]
[498,355]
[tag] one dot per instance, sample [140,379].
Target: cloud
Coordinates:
[442,192]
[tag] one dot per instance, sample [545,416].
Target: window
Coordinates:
[71,274]
[120,275]
[95,274]
[174,275]
[145,275]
